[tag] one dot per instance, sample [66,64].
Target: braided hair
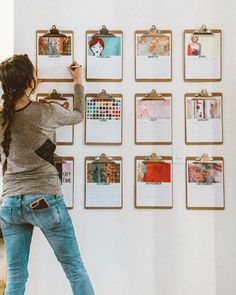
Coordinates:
[17,76]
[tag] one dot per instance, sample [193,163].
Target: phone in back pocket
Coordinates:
[39,204]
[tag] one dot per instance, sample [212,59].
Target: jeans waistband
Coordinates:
[18,199]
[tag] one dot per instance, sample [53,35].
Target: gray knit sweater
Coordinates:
[30,168]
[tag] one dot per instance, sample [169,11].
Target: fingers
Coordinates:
[75,65]
[75,70]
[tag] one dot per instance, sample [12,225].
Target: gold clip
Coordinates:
[203,159]
[55,96]
[203,31]
[153,95]
[153,32]
[154,158]
[54,32]
[104,32]
[203,95]
[103,159]
[103,95]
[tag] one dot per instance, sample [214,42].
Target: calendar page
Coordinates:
[203,56]
[204,122]
[205,184]
[153,121]
[153,184]
[54,55]
[103,184]
[104,57]
[104,120]
[153,57]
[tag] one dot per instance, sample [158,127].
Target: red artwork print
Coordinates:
[157,172]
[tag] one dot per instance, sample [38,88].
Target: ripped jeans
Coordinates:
[17,221]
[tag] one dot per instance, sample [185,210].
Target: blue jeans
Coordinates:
[17,222]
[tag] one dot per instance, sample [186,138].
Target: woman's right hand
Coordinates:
[75,70]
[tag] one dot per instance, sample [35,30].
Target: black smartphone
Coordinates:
[39,204]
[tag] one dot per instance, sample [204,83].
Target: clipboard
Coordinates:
[204,159]
[103,159]
[54,32]
[153,158]
[203,95]
[105,33]
[55,96]
[203,31]
[152,32]
[103,96]
[59,161]
[3,265]
[152,96]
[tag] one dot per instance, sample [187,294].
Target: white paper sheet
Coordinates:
[54,56]
[153,57]
[202,56]
[204,120]
[205,184]
[153,120]
[154,184]
[68,182]
[104,121]
[104,57]
[101,190]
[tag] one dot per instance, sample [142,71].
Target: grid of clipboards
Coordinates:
[203,114]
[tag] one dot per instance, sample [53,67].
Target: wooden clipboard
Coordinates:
[57,96]
[63,160]
[151,32]
[48,32]
[203,31]
[153,95]
[103,158]
[204,159]
[2,265]
[153,158]
[104,32]
[103,95]
[204,95]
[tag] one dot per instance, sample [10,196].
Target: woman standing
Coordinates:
[32,193]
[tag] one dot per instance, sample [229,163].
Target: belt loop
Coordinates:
[20,200]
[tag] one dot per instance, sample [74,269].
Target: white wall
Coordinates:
[142,251]
[6,32]
[6,29]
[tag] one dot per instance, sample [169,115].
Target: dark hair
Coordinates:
[16,75]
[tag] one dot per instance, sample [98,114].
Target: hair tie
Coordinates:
[11,91]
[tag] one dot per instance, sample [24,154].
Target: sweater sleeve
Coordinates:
[58,116]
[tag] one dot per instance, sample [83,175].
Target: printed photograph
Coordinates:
[154,172]
[154,46]
[103,110]
[103,173]
[194,47]
[201,109]
[54,46]
[202,46]
[104,46]
[205,173]
[153,110]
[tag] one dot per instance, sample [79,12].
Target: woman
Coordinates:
[194,48]
[96,45]
[32,193]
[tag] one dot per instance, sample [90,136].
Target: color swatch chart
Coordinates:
[104,109]
[104,120]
